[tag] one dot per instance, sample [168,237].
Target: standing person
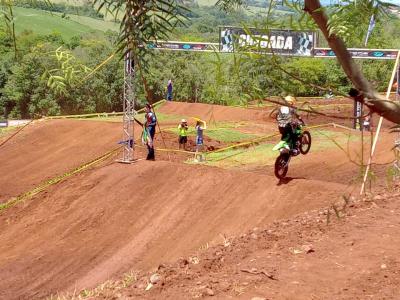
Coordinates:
[367,123]
[288,119]
[169,90]
[183,128]
[200,126]
[149,131]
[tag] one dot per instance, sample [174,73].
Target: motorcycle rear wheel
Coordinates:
[305,142]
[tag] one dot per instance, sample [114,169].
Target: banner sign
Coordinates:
[183,46]
[3,123]
[274,41]
[358,53]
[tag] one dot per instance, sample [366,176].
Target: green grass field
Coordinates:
[263,154]
[95,24]
[42,22]
[70,2]
[222,134]
[206,2]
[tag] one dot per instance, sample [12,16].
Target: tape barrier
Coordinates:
[55,180]
[262,138]
[93,115]
[168,150]
[248,143]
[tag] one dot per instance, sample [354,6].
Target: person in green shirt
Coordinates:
[183,128]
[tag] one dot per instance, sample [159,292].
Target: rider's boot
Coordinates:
[295,152]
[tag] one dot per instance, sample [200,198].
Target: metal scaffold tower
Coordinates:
[129,110]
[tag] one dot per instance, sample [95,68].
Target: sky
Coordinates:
[394,1]
[388,1]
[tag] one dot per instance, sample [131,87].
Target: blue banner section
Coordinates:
[358,53]
[183,46]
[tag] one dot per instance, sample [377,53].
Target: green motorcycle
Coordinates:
[287,150]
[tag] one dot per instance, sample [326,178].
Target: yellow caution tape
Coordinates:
[55,180]
[168,150]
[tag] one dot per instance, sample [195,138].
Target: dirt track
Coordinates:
[115,217]
[105,221]
[216,112]
[45,149]
[354,257]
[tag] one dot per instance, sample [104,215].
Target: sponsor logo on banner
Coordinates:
[358,53]
[3,123]
[281,42]
[183,46]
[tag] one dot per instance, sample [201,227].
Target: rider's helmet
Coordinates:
[291,100]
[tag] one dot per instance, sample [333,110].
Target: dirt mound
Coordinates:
[344,165]
[216,112]
[48,148]
[107,220]
[354,257]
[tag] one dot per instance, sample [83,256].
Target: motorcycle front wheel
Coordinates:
[282,165]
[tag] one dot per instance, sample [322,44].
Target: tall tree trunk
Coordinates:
[377,103]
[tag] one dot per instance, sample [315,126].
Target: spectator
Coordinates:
[169,90]
[183,128]
[200,126]
[367,123]
[149,131]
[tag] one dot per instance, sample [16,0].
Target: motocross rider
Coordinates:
[288,122]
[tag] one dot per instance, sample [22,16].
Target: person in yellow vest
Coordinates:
[183,129]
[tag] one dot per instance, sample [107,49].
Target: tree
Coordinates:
[150,20]
[345,18]
[378,104]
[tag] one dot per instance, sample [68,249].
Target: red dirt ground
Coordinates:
[355,257]
[48,148]
[108,220]
[112,218]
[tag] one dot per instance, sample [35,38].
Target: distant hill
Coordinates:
[43,22]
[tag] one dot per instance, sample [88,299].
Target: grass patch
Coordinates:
[254,155]
[325,139]
[6,130]
[94,24]
[228,135]
[206,2]
[263,154]
[223,132]
[42,22]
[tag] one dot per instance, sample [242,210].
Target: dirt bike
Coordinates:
[287,150]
